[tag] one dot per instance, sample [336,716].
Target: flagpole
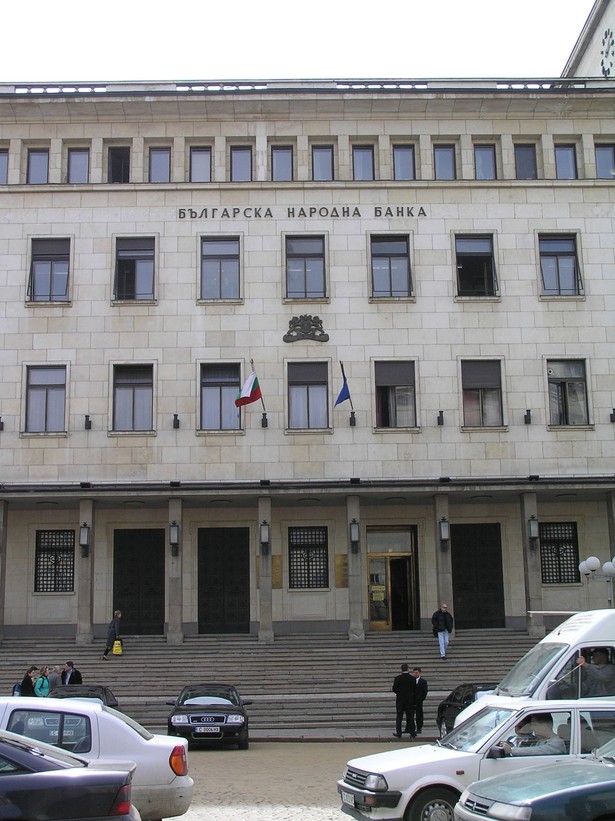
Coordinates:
[262,400]
[264,420]
[349,395]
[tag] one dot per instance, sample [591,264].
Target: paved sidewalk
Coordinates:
[340,734]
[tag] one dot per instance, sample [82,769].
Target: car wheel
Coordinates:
[435,804]
[243,743]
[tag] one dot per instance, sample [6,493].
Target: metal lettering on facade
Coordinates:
[299,212]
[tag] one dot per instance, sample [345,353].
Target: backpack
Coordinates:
[16,689]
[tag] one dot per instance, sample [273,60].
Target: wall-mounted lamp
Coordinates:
[440,419]
[175,421]
[87,423]
[84,539]
[444,531]
[354,533]
[264,422]
[265,536]
[174,538]
[528,417]
[533,531]
[612,417]
[1,424]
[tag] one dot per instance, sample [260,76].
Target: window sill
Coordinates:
[308,431]
[406,298]
[400,429]
[479,428]
[121,433]
[289,300]
[44,434]
[134,302]
[561,297]
[479,298]
[221,301]
[220,432]
[54,303]
[570,427]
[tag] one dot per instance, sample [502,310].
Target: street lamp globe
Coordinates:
[608,568]
[593,563]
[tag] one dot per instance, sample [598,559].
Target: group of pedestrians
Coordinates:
[40,681]
[410,689]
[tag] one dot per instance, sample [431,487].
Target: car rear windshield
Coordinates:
[130,722]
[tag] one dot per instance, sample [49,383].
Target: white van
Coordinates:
[550,670]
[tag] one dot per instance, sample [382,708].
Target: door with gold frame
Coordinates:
[392,579]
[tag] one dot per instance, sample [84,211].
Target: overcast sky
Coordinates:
[67,40]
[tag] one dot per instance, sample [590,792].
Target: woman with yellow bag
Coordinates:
[113,636]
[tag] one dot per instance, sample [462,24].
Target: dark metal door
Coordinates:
[224,580]
[478,586]
[139,580]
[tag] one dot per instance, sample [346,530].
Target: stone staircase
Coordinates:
[306,684]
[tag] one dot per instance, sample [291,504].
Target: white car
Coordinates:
[424,782]
[161,786]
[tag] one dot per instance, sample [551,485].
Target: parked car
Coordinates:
[424,782]
[99,691]
[161,785]
[457,700]
[206,713]
[582,789]
[41,782]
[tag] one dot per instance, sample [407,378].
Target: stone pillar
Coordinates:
[356,631]
[531,567]
[4,512]
[263,559]
[442,549]
[175,633]
[84,561]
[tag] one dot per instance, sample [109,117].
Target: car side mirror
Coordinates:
[247,703]
[496,752]
[170,703]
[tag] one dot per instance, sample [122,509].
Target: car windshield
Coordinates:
[528,672]
[134,725]
[208,695]
[470,736]
[606,751]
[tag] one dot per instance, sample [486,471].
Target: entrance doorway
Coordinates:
[224,579]
[392,583]
[139,580]
[478,586]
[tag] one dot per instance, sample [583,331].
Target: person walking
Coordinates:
[113,633]
[404,687]
[419,697]
[70,674]
[27,683]
[41,685]
[442,624]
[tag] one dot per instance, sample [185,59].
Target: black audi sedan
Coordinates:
[457,700]
[97,691]
[210,713]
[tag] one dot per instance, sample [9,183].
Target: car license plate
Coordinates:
[206,730]
[348,798]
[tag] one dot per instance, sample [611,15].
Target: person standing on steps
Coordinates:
[41,685]
[113,633]
[419,697]
[27,683]
[442,624]
[70,674]
[404,687]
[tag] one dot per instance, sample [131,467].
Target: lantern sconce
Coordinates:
[174,538]
[440,419]
[533,530]
[84,539]
[528,417]
[175,421]
[444,531]
[265,537]
[354,533]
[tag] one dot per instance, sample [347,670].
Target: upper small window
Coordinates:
[160,165]
[484,162]
[482,393]
[605,162]
[390,266]
[308,395]
[566,162]
[78,165]
[475,266]
[219,388]
[559,267]
[395,394]
[444,162]
[49,270]
[241,163]
[200,164]
[403,162]
[38,166]
[134,268]
[281,163]
[4,166]
[45,399]
[322,163]
[133,397]
[525,161]
[567,392]
[305,267]
[119,164]
[363,162]
[220,268]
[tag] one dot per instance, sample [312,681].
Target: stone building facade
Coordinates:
[450,243]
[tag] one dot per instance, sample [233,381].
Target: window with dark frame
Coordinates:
[308,558]
[567,392]
[390,258]
[54,565]
[45,399]
[525,161]
[322,163]
[566,162]
[281,163]
[78,166]
[605,161]
[241,163]
[160,164]
[559,553]
[220,384]
[118,169]
[220,268]
[134,268]
[475,265]
[444,162]
[305,267]
[4,166]
[482,393]
[133,397]
[362,162]
[403,162]
[38,166]
[308,404]
[395,394]
[200,164]
[484,162]
[48,281]
[559,265]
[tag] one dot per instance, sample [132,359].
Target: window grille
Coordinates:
[559,553]
[55,561]
[308,557]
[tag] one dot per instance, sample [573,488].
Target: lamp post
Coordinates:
[588,568]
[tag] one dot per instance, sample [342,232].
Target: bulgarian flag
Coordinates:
[251,391]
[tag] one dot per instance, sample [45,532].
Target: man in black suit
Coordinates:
[70,674]
[404,687]
[419,697]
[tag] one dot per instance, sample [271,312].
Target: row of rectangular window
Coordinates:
[220,279]
[308,395]
[487,165]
